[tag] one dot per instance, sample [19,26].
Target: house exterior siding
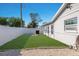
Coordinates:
[67,37]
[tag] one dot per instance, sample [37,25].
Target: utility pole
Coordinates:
[21,13]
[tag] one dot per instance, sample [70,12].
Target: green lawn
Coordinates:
[29,41]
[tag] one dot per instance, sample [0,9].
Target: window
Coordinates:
[51,29]
[45,29]
[71,21]
[48,29]
[70,24]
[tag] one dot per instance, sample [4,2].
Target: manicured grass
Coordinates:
[30,41]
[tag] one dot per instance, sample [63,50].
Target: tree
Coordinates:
[35,19]
[3,21]
[15,22]
[32,24]
[12,21]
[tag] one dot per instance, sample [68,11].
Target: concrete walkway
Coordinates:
[40,52]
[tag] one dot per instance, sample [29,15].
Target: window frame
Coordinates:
[52,29]
[71,23]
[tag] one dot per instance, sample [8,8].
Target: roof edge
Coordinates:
[63,6]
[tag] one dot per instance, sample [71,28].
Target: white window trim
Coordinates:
[71,31]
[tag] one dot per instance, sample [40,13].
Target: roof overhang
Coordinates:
[59,12]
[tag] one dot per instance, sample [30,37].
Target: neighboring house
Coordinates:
[65,24]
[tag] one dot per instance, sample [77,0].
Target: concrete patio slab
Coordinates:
[40,52]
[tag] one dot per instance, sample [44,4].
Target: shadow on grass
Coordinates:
[17,43]
[32,41]
[13,48]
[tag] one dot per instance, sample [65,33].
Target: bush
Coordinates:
[12,22]
[3,21]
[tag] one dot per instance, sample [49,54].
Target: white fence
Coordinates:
[9,33]
[31,30]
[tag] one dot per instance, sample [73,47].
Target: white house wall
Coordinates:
[59,33]
[44,30]
[46,33]
[50,34]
